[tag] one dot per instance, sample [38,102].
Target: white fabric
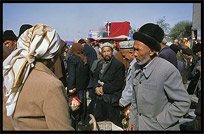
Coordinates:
[41,42]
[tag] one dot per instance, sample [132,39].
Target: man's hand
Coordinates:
[131,127]
[99,91]
[199,68]
[72,91]
[120,104]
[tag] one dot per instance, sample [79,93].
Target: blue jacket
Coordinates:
[168,54]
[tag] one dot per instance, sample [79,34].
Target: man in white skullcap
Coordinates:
[127,51]
[125,54]
[108,82]
[35,98]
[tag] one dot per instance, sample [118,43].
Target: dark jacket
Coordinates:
[78,73]
[113,78]
[168,54]
[91,57]
[90,53]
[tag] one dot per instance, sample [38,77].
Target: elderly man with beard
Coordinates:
[108,82]
[159,97]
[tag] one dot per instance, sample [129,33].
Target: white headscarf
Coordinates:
[41,42]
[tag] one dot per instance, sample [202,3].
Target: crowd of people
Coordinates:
[41,74]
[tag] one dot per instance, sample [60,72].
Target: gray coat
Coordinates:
[159,97]
[127,92]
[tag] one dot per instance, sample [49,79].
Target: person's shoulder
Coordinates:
[88,46]
[163,63]
[117,62]
[44,77]
[167,49]
[73,58]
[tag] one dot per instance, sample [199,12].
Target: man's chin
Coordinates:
[107,58]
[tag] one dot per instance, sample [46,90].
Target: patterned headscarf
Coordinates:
[78,50]
[40,42]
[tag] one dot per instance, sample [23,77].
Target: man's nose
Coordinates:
[106,53]
[136,54]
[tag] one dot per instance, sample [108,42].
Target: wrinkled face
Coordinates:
[107,53]
[142,53]
[10,44]
[128,54]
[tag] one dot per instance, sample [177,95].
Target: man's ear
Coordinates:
[152,52]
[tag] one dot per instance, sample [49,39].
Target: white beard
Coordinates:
[144,61]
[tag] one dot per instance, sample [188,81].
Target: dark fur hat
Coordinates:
[23,28]
[9,35]
[81,41]
[151,35]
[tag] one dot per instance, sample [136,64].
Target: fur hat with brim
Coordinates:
[9,35]
[151,35]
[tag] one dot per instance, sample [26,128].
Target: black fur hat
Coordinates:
[81,41]
[151,35]
[9,35]
[23,28]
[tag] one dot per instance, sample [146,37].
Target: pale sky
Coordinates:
[74,20]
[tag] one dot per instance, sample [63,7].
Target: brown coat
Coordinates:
[119,57]
[42,103]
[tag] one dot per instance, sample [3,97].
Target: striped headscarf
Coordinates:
[40,42]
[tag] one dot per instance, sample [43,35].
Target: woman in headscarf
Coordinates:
[78,78]
[59,66]
[35,97]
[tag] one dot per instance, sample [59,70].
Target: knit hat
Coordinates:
[126,44]
[9,35]
[151,35]
[106,44]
